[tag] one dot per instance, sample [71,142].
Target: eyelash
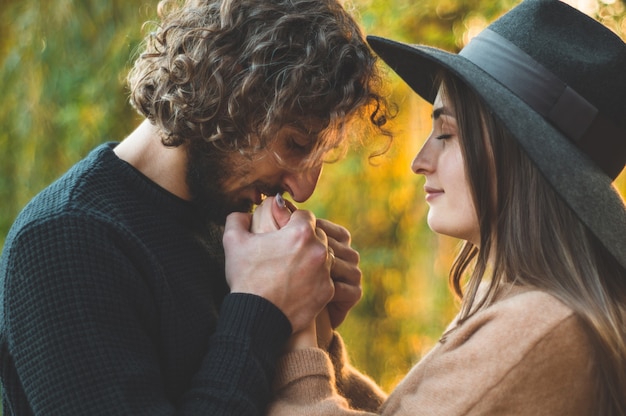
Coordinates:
[297,145]
[294,146]
[443,136]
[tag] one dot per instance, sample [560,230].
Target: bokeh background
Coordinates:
[63,65]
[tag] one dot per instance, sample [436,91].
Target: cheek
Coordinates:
[471,229]
[455,179]
[464,191]
[246,171]
[455,215]
[237,175]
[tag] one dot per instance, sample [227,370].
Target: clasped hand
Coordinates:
[283,255]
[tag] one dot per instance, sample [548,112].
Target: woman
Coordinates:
[529,131]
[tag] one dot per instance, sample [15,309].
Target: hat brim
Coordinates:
[585,187]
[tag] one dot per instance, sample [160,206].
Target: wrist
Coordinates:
[303,339]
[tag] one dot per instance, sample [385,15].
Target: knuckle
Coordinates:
[319,253]
[358,293]
[303,231]
[353,256]
[229,238]
[344,235]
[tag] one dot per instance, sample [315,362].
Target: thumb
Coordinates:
[281,211]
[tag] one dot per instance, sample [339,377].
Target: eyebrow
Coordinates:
[439,111]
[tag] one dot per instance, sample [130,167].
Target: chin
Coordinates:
[443,229]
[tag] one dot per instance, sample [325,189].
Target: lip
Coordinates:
[432,193]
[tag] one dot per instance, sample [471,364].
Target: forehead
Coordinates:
[442,105]
[439,98]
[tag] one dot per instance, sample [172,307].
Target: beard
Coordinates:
[207,172]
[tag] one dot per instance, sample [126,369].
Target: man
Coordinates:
[116,296]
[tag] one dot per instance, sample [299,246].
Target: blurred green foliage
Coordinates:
[63,64]
[62,80]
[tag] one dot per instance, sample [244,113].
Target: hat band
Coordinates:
[545,93]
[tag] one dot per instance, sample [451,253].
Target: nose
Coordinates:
[423,162]
[301,184]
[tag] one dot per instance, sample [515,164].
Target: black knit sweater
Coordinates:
[113,302]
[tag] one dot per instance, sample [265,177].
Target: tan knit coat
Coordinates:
[527,354]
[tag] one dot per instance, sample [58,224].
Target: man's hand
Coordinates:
[290,267]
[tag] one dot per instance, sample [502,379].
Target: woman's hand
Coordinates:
[288,266]
[345,272]
[273,214]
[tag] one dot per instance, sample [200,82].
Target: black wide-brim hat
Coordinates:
[556,79]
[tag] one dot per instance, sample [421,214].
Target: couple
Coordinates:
[117,299]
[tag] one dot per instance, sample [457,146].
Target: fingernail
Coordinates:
[280,201]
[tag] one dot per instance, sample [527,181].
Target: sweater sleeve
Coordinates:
[305,384]
[360,391]
[529,356]
[526,355]
[314,382]
[79,340]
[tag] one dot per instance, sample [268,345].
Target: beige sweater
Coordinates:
[527,354]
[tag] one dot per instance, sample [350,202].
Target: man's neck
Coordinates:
[166,166]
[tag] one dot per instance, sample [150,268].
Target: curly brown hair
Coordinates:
[233,73]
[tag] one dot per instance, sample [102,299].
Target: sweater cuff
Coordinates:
[255,318]
[337,354]
[359,390]
[309,363]
[252,313]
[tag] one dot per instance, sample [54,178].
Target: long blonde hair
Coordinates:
[530,237]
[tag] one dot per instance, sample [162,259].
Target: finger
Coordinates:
[324,329]
[346,273]
[345,267]
[331,254]
[280,211]
[336,314]
[346,296]
[300,217]
[263,220]
[321,235]
[339,240]
[343,251]
[335,231]
[290,205]
[346,293]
